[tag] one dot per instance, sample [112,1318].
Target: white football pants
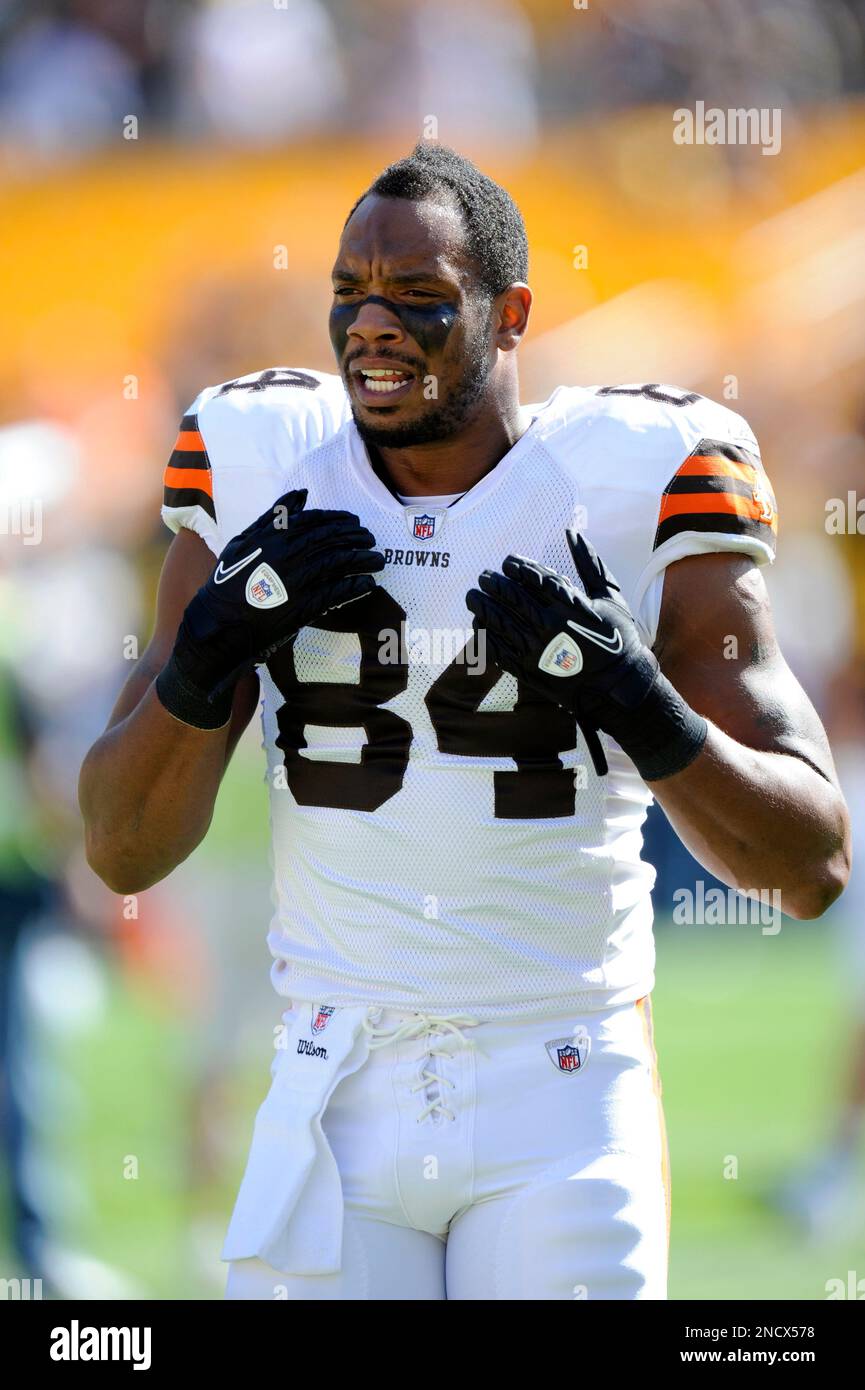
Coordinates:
[499,1160]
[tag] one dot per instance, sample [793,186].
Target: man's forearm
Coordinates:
[761,820]
[147,792]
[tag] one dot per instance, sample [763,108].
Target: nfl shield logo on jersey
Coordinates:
[423,526]
[321,1017]
[569,1054]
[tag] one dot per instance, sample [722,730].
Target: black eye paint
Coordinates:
[428,324]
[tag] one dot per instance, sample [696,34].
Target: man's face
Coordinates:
[411,328]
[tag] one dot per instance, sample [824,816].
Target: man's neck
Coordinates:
[450,465]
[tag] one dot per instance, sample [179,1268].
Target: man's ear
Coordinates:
[512,307]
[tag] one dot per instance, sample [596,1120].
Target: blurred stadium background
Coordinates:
[174,177]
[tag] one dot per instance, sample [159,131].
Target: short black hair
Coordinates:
[495,231]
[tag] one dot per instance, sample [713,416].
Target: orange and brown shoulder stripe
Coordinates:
[188,480]
[720,487]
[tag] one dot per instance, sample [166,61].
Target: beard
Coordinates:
[443,420]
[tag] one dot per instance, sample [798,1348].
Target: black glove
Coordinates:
[283,572]
[584,652]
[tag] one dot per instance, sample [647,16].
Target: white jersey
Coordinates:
[441,840]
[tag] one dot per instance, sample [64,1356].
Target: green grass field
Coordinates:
[749,1037]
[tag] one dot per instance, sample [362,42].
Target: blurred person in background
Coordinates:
[71,71]
[28,890]
[471,68]
[67,598]
[733,53]
[258,74]
[826,1190]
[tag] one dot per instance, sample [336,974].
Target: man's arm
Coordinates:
[753,793]
[760,806]
[148,785]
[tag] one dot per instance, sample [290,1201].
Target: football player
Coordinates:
[485,635]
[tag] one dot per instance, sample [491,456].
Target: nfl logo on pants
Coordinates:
[569,1054]
[321,1017]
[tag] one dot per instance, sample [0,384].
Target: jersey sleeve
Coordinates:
[238,444]
[720,491]
[718,499]
[187,484]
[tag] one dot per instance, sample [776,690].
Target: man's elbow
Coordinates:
[815,894]
[121,874]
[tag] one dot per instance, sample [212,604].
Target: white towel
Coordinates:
[290,1157]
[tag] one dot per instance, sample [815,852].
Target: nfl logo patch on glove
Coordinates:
[264,588]
[561,657]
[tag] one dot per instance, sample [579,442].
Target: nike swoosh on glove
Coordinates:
[283,572]
[583,651]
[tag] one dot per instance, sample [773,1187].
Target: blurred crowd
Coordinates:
[261,72]
[125,306]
